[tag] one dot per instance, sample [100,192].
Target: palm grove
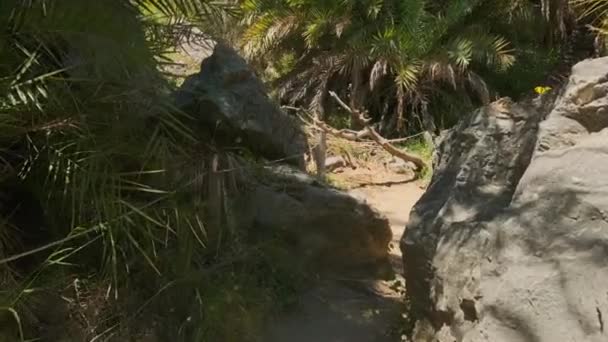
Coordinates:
[410,64]
[91,142]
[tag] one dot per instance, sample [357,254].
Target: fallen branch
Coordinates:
[406,138]
[347,134]
[375,136]
[296,109]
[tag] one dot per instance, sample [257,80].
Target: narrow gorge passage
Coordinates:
[354,310]
[395,202]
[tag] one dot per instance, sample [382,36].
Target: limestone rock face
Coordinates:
[510,243]
[228,98]
[330,228]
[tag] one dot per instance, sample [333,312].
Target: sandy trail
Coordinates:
[356,311]
[395,202]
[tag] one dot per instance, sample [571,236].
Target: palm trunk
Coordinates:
[400,110]
[428,121]
[320,151]
[357,96]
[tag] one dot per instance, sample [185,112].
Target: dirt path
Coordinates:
[353,310]
[395,202]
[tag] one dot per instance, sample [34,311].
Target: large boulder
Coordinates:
[331,230]
[510,243]
[228,99]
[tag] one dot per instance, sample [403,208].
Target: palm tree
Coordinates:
[596,13]
[598,9]
[87,128]
[374,51]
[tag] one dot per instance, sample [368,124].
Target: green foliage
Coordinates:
[279,69]
[336,181]
[80,126]
[401,48]
[400,59]
[250,284]
[87,125]
[424,149]
[597,9]
[420,147]
[531,69]
[339,120]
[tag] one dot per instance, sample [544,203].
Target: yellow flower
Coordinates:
[542,90]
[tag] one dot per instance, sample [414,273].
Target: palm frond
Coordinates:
[407,75]
[461,53]
[379,70]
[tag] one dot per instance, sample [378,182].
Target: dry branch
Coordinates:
[375,136]
[341,133]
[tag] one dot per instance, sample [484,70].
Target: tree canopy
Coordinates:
[400,60]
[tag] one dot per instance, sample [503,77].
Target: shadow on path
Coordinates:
[356,310]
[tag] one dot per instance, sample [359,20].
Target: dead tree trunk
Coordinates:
[371,132]
[320,152]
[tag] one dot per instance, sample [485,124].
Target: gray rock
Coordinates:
[334,162]
[331,229]
[400,166]
[228,98]
[510,243]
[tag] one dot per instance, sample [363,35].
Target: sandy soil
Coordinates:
[356,310]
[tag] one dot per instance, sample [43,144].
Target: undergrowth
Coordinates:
[371,158]
[424,149]
[231,294]
[113,220]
